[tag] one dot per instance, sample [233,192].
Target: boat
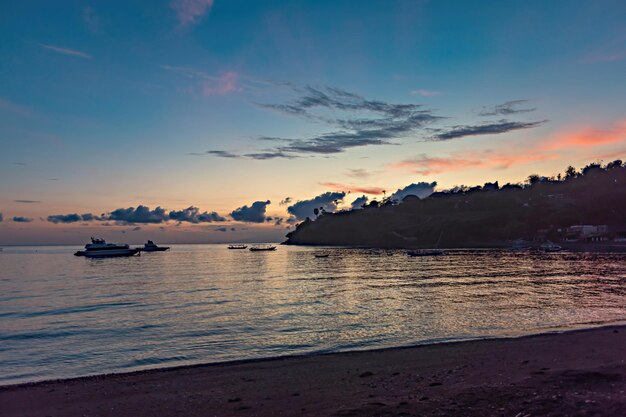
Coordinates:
[324,255]
[262,248]
[427,252]
[152,247]
[550,247]
[237,246]
[98,248]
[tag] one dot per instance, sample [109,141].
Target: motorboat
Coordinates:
[150,246]
[427,252]
[550,247]
[237,246]
[98,248]
[260,248]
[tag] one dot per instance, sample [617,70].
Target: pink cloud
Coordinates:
[425,93]
[426,165]
[65,51]
[356,189]
[222,85]
[190,11]
[587,136]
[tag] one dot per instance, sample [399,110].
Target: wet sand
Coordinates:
[578,373]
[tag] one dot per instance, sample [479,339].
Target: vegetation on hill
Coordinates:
[478,216]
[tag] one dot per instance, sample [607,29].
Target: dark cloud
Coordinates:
[193,215]
[20,219]
[1,217]
[359,173]
[366,123]
[141,214]
[221,229]
[223,154]
[285,201]
[305,208]
[27,201]
[358,203]
[72,218]
[501,126]
[253,214]
[421,190]
[18,163]
[136,228]
[506,109]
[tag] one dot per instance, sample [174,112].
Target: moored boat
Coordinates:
[98,248]
[260,248]
[150,246]
[237,246]
[427,252]
[550,247]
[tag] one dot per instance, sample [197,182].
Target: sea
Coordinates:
[64,316]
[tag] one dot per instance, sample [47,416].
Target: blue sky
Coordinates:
[107,105]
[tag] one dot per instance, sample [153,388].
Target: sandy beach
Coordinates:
[577,373]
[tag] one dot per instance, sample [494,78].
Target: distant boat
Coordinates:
[152,247]
[98,248]
[427,252]
[550,247]
[324,255]
[237,246]
[263,248]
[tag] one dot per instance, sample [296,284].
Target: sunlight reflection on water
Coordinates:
[63,316]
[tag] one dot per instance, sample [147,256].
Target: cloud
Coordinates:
[421,190]
[20,219]
[363,122]
[359,173]
[223,154]
[189,12]
[72,218]
[1,217]
[141,214]
[285,201]
[425,93]
[221,229]
[303,209]
[506,109]
[222,85]
[359,202]
[587,136]
[192,215]
[352,188]
[491,128]
[136,228]
[65,51]
[27,201]
[427,165]
[253,214]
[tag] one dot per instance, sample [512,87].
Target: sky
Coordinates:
[230,120]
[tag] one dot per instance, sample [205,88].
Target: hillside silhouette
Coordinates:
[481,216]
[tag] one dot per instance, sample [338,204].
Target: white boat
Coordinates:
[550,247]
[152,247]
[262,248]
[237,246]
[98,248]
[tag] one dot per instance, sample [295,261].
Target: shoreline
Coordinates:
[425,378]
[432,342]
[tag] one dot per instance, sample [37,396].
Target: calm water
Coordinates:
[63,316]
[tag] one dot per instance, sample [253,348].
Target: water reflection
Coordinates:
[67,316]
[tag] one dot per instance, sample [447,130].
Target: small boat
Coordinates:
[324,255]
[550,247]
[237,246]
[152,247]
[427,252]
[98,248]
[262,248]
